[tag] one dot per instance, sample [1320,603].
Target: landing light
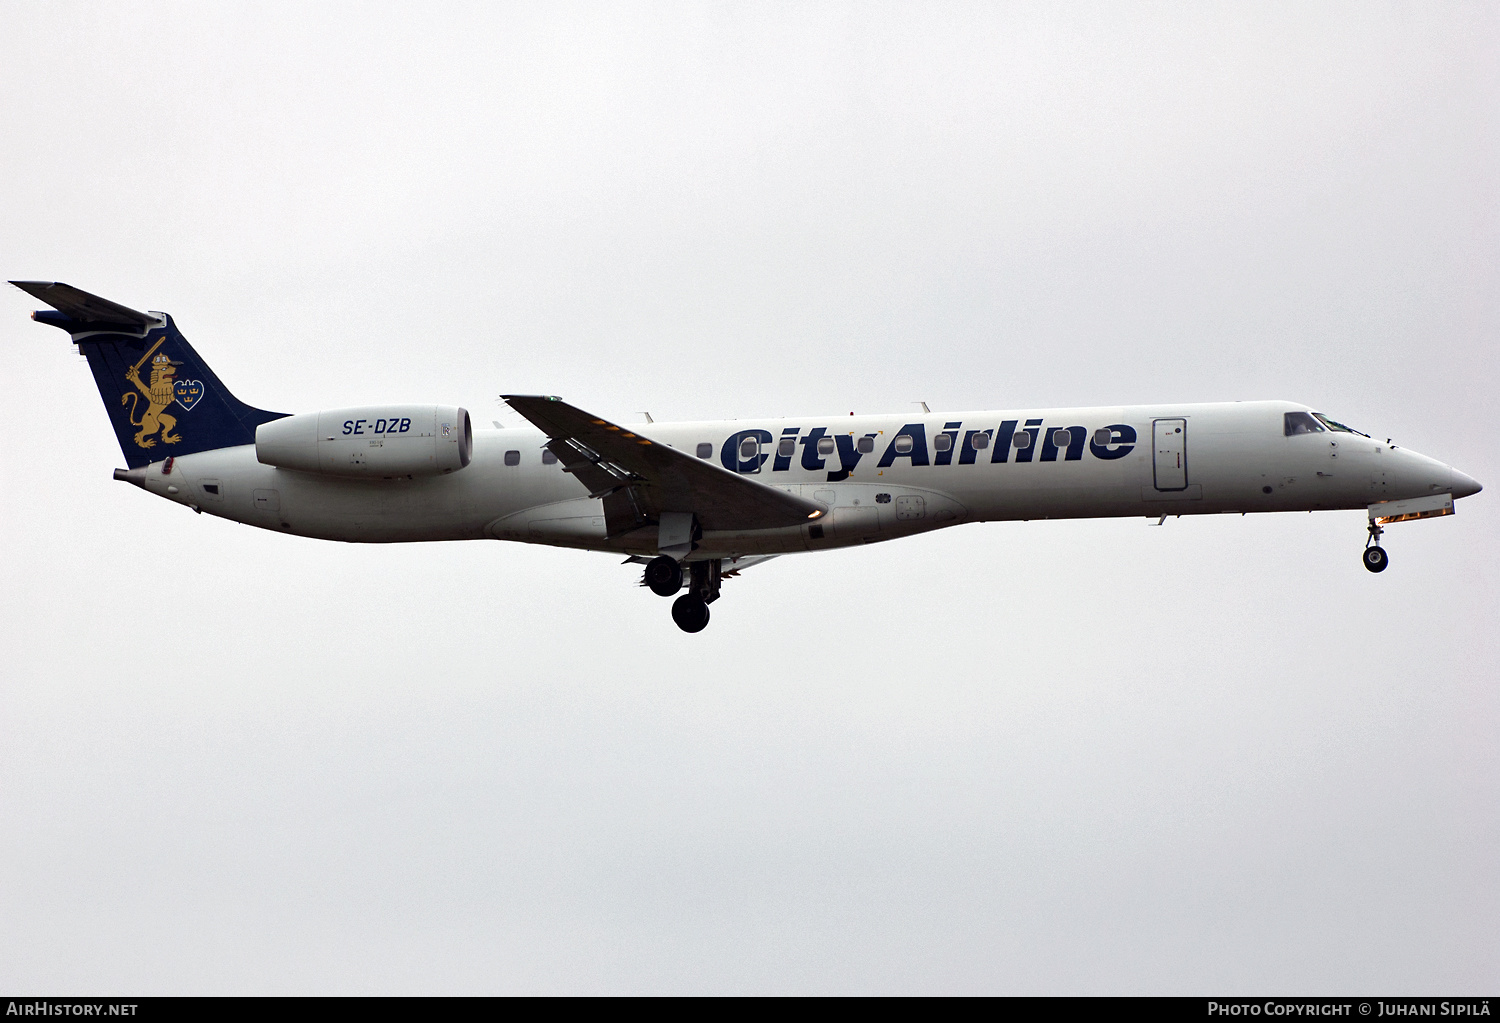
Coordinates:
[815,514]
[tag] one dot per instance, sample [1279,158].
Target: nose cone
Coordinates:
[1465,485]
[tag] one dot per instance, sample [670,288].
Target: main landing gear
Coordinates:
[1375,557]
[690,612]
[664,576]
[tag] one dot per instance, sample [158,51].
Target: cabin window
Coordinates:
[749,447]
[548,458]
[825,445]
[1294,423]
[866,445]
[705,450]
[513,458]
[1062,438]
[882,498]
[1022,440]
[942,442]
[1104,436]
[904,444]
[980,441]
[787,448]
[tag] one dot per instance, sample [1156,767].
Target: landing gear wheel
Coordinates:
[690,613]
[664,575]
[1376,559]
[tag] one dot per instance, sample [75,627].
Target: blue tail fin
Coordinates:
[161,397]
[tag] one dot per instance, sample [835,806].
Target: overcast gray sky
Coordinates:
[1048,757]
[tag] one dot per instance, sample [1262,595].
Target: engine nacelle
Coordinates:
[375,441]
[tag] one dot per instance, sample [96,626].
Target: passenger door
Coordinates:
[1169,442]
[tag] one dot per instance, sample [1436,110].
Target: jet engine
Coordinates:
[374,441]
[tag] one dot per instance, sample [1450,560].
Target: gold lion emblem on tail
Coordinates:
[159,394]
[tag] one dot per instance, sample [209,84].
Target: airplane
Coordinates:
[696,503]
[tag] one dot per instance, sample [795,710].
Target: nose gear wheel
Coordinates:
[1375,557]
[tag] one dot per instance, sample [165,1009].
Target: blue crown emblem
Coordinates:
[188,392]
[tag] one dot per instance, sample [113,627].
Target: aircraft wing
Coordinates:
[640,478]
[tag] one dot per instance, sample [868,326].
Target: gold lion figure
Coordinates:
[159,395]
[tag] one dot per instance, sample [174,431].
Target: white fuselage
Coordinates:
[1184,460]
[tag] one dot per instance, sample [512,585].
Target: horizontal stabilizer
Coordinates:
[87,311]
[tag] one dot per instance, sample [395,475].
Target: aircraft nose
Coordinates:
[1465,485]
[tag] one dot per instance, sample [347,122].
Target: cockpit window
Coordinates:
[1300,422]
[1340,427]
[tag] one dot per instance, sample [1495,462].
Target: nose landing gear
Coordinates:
[1375,557]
